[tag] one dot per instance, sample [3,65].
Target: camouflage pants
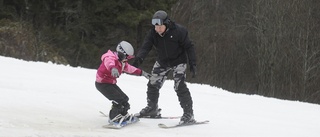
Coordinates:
[159,75]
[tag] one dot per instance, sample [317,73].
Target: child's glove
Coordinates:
[146,75]
[114,72]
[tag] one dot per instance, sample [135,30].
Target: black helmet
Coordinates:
[160,18]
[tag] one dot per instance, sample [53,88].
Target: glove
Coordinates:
[193,70]
[114,72]
[146,75]
[137,61]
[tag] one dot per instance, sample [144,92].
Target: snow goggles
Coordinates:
[125,53]
[157,22]
[129,56]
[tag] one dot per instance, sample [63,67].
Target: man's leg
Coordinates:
[183,93]
[159,75]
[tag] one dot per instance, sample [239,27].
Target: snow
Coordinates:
[48,100]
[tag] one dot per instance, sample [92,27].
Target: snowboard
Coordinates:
[122,124]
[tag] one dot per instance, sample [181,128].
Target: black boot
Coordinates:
[115,113]
[118,111]
[187,116]
[151,110]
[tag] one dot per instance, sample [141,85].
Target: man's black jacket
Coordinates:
[173,48]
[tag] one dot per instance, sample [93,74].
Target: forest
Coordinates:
[264,47]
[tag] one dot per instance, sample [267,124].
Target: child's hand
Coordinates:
[114,72]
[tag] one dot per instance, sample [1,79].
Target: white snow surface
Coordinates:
[48,100]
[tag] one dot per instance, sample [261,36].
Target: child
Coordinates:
[113,64]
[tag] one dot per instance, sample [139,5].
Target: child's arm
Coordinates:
[135,71]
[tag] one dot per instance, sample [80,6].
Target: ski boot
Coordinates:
[149,112]
[187,118]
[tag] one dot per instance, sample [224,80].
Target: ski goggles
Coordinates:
[157,22]
[125,53]
[129,56]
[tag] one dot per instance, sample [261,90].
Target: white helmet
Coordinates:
[126,48]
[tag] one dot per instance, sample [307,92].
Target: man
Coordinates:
[174,50]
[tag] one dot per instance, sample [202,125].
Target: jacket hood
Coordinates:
[109,54]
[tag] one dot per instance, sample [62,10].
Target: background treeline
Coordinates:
[75,32]
[265,47]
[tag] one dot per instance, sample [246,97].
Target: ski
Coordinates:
[148,117]
[161,125]
[161,117]
[158,116]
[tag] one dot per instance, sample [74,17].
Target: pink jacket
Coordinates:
[109,61]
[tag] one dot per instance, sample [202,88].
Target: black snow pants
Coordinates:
[120,104]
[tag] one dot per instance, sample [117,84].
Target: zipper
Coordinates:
[166,51]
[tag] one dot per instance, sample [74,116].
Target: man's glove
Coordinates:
[193,70]
[146,75]
[114,72]
[137,61]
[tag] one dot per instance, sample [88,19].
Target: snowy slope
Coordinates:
[48,100]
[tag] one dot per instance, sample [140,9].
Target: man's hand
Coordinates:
[193,70]
[146,75]
[137,61]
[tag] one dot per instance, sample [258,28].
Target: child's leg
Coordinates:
[115,110]
[119,99]
[118,109]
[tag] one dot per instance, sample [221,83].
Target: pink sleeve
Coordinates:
[132,70]
[109,63]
